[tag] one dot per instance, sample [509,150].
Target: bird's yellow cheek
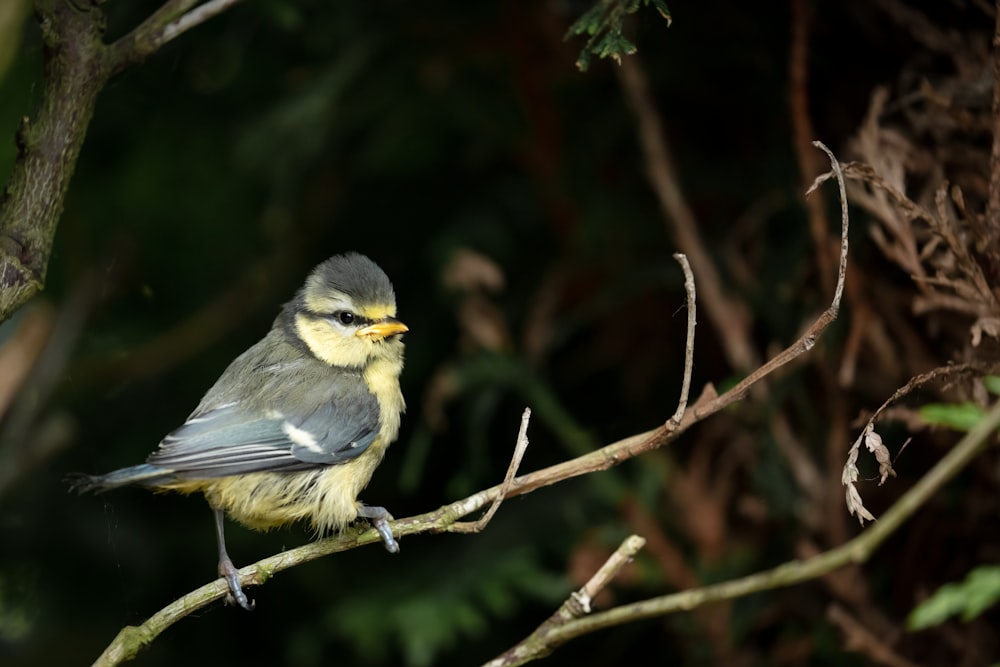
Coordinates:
[328,344]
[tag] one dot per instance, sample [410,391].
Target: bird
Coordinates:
[294,428]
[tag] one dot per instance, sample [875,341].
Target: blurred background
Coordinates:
[505,193]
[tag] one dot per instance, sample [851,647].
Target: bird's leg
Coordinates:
[227,570]
[380,519]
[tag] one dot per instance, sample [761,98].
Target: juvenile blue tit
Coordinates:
[297,424]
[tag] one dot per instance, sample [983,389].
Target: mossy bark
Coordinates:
[76,68]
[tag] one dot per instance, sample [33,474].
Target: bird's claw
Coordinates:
[235,596]
[380,519]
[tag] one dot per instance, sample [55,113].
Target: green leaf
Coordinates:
[969,598]
[604,22]
[957,416]
[992,384]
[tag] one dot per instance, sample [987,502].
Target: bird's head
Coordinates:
[346,312]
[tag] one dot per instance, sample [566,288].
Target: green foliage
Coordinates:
[19,610]
[959,416]
[968,599]
[463,604]
[981,588]
[604,22]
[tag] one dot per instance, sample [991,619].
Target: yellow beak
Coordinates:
[387,326]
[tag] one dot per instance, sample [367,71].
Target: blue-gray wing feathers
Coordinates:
[234,439]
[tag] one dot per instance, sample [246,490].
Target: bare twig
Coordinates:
[689,287]
[859,637]
[131,639]
[729,316]
[577,605]
[874,442]
[858,550]
[195,17]
[802,134]
[993,205]
[515,462]
[77,67]
[842,269]
[579,602]
[171,20]
[29,436]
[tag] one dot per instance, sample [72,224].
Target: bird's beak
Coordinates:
[387,326]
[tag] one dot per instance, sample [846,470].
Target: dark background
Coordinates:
[216,174]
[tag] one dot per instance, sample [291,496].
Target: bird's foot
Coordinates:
[236,595]
[380,519]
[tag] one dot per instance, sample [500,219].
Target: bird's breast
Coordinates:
[382,378]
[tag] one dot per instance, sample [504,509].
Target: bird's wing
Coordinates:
[233,439]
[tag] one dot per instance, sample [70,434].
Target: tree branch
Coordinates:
[689,287]
[131,639]
[993,203]
[536,645]
[520,447]
[857,550]
[171,20]
[729,316]
[76,68]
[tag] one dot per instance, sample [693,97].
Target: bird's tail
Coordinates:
[143,475]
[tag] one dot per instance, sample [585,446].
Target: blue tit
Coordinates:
[297,424]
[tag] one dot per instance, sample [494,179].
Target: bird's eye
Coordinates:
[345,317]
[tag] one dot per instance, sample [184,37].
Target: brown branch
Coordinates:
[857,550]
[28,437]
[729,316]
[802,134]
[577,605]
[870,438]
[77,66]
[520,447]
[860,638]
[132,639]
[993,205]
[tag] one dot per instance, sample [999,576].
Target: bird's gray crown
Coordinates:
[354,275]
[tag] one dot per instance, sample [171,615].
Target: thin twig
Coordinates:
[515,462]
[860,638]
[622,556]
[728,316]
[689,287]
[842,270]
[858,550]
[577,605]
[849,474]
[195,17]
[172,19]
[993,204]
[131,639]
[803,132]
